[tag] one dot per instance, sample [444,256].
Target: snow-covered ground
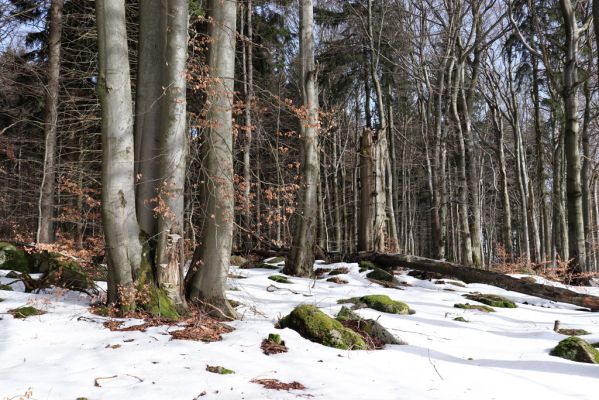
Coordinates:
[501,355]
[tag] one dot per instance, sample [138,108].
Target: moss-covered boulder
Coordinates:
[380,275]
[279,279]
[25,311]
[375,334]
[7,288]
[13,258]
[478,307]
[576,349]
[492,300]
[384,303]
[460,319]
[316,326]
[573,332]
[379,302]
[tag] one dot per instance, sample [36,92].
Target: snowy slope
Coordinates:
[501,355]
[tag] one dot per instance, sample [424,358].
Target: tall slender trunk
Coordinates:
[301,258]
[569,93]
[149,99]
[503,181]
[464,226]
[365,220]
[45,228]
[210,265]
[247,145]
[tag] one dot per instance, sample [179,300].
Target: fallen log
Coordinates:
[474,275]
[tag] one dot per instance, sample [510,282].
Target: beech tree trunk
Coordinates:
[569,93]
[301,259]
[210,264]
[365,222]
[121,231]
[169,257]
[149,98]
[45,228]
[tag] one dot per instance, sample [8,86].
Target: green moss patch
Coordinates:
[379,302]
[279,279]
[479,307]
[25,311]
[313,324]
[7,288]
[273,344]
[576,349]
[492,300]
[460,319]
[383,303]
[366,265]
[217,369]
[573,332]
[14,258]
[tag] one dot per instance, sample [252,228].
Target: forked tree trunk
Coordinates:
[45,229]
[301,259]
[210,265]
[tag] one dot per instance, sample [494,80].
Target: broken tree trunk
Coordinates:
[474,275]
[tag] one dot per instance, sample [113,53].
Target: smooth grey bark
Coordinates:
[506,228]
[365,221]
[464,227]
[248,69]
[149,98]
[210,265]
[569,94]
[301,258]
[169,257]
[121,231]
[45,228]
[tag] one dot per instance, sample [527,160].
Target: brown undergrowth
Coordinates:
[197,325]
[562,271]
[278,385]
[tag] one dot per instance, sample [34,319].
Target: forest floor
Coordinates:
[68,353]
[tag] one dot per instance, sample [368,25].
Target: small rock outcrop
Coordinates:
[576,349]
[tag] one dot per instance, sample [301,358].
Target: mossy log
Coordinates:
[56,269]
[474,275]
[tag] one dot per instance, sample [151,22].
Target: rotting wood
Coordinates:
[474,275]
